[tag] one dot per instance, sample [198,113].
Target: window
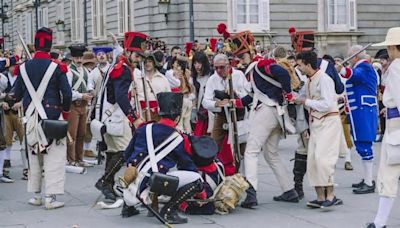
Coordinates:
[98,19]
[341,15]
[251,15]
[77,20]
[28,28]
[43,17]
[60,38]
[125,16]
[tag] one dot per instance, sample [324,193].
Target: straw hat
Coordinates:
[392,38]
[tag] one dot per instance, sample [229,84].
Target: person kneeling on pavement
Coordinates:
[154,150]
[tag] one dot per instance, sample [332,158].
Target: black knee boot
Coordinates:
[299,170]
[170,211]
[114,162]
[128,211]
[251,198]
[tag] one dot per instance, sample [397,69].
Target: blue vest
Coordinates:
[361,90]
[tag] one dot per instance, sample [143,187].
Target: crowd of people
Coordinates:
[189,127]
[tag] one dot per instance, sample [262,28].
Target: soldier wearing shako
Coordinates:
[145,155]
[116,113]
[43,87]
[78,79]
[241,45]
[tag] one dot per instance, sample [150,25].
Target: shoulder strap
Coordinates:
[167,146]
[37,96]
[80,80]
[268,79]
[324,65]
[150,147]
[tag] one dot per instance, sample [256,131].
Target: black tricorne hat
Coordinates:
[170,103]
[77,50]
[204,150]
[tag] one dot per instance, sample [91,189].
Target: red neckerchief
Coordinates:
[167,122]
[41,55]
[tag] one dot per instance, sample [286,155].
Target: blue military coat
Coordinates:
[361,89]
[58,95]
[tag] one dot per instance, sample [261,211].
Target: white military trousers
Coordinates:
[265,133]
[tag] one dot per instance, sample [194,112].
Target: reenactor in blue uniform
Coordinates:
[361,88]
[55,100]
[137,155]
[117,113]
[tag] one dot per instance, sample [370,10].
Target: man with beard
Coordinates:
[116,112]
[96,76]
[78,79]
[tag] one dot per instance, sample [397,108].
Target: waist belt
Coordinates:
[392,113]
[326,115]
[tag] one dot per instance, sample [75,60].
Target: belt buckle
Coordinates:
[108,112]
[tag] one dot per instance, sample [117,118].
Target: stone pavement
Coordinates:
[80,195]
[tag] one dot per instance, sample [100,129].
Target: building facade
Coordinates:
[338,23]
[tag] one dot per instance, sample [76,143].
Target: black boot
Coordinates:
[128,211]
[170,211]
[289,196]
[299,170]
[251,198]
[7,164]
[114,162]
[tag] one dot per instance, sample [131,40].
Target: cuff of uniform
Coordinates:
[238,103]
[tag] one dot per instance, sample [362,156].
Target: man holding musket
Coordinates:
[116,112]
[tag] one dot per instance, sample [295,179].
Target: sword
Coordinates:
[24,45]
[355,54]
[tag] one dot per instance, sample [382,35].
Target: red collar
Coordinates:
[167,122]
[41,55]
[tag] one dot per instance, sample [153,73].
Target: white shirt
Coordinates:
[390,98]
[173,81]
[158,84]
[3,82]
[240,85]
[326,88]
[94,76]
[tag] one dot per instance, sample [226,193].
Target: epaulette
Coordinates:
[16,70]
[117,70]
[63,66]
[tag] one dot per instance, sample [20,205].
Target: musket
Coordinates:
[24,46]
[355,54]
[135,96]
[235,139]
[146,97]
[25,124]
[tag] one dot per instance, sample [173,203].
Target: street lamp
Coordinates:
[3,17]
[36,4]
[163,8]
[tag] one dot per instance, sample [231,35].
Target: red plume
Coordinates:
[221,28]
[188,48]
[292,30]
[213,44]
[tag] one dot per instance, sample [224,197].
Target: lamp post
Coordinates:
[36,4]
[3,18]
[163,7]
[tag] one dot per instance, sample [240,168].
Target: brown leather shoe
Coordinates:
[89,154]
[348,166]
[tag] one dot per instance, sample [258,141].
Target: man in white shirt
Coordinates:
[95,79]
[219,82]
[154,83]
[324,143]
[389,165]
